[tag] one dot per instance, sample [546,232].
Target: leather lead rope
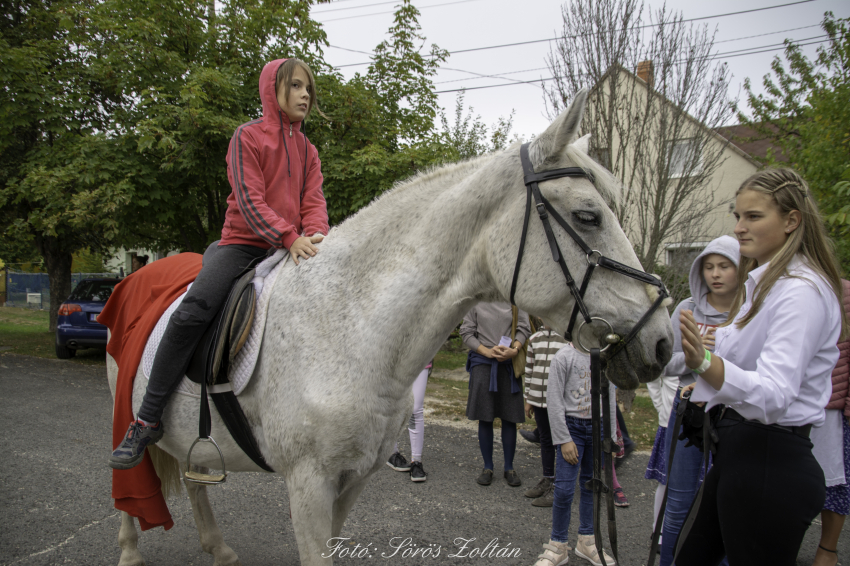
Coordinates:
[659,523]
[608,451]
[596,484]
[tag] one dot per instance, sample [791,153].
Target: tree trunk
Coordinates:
[57,260]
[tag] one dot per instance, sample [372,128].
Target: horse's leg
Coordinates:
[128,540]
[345,502]
[312,500]
[212,542]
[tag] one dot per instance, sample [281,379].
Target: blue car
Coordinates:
[77,326]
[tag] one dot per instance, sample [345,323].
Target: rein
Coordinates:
[614,342]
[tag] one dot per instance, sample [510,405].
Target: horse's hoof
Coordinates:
[131,559]
[227,558]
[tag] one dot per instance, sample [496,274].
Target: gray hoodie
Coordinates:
[706,315]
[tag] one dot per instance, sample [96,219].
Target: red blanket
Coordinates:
[136,305]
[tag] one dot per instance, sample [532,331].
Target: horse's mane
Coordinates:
[446,175]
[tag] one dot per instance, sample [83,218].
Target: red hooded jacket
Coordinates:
[267,162]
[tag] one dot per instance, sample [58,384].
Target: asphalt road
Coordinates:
[55,503]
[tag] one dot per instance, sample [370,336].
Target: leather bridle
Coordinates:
[614,342]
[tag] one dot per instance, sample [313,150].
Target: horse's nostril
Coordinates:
[663,351]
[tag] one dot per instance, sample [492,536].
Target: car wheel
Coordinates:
[64,353]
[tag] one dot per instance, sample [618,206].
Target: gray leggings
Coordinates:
[191,319]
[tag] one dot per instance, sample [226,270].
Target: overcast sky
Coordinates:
[455,25]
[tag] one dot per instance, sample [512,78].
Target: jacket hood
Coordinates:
[727,247]
[272,114]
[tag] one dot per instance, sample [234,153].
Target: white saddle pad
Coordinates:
[242,367]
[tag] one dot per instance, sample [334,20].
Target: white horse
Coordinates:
[349,329]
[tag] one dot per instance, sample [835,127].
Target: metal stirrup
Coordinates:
[198,477]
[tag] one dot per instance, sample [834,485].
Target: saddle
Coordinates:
[209,365]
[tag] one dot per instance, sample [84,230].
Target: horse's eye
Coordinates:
[586,217]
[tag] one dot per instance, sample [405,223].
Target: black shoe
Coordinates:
[417,474]
[532,436]
[486,477]
[513,478]
[398,463]
[539,489]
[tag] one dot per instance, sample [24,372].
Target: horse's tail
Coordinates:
[168,469]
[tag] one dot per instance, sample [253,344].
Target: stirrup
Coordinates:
[206,479]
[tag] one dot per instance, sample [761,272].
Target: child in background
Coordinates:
[416,428]
[569,407]
[542,347]
[494,390]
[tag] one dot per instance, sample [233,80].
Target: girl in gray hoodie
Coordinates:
[713,285]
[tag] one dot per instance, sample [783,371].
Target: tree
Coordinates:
[61,179]
[654,133]
[468,136]
[806,111]
[380,126]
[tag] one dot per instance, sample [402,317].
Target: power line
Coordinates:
[761,34]
[422,8]
[715,56]
[356,7]
[600,33]
[712,58]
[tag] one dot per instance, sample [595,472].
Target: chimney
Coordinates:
[645,72]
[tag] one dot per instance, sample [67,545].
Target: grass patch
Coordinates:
[642,422]
[446,359]
[25,332]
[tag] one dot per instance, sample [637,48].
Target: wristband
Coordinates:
[706,363]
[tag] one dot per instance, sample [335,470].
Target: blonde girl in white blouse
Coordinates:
[771,370]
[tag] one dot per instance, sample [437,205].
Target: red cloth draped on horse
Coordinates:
[132,312]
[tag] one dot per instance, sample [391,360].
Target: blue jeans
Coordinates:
[683,481]
[565,482]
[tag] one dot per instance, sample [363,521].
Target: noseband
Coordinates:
[544,208]
[613,341]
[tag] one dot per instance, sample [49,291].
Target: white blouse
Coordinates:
[778,367]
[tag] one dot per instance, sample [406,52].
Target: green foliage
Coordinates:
[806,109]
[468,136]
[86,261]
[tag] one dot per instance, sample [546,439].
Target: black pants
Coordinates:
[547,451]
[191,319]
[759,498]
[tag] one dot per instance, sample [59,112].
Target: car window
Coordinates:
[98,291]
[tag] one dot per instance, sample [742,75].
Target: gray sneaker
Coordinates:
[547,499]
[132,449]
[539,489]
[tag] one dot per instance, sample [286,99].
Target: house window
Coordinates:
[685,158]
[682,255]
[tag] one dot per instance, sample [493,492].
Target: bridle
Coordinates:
[613,341]
[594,257]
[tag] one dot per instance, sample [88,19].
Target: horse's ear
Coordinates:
[560,133]
[583,144]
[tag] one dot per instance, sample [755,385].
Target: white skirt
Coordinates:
[828,447]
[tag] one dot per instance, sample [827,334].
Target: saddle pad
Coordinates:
[242,366]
